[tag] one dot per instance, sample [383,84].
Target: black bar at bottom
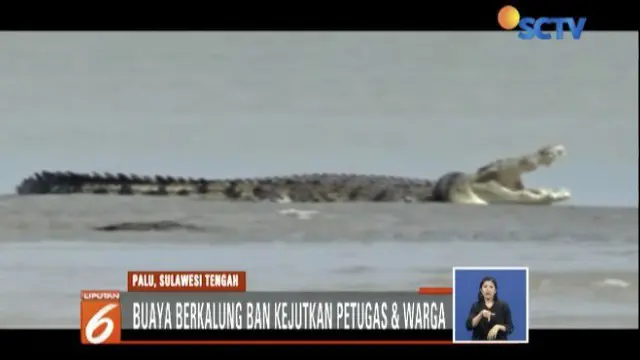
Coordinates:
[387,335]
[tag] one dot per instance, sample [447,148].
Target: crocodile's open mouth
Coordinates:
[546,156]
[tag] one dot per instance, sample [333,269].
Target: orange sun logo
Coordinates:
[508,17]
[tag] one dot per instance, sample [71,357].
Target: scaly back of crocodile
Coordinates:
[321,187]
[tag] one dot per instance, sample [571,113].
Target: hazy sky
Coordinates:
[250,103]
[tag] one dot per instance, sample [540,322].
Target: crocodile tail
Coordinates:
[67,182]
[46,182]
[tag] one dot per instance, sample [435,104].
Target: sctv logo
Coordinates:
[509,19]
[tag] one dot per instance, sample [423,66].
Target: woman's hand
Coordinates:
[486,314]
[494,332]
[482,314]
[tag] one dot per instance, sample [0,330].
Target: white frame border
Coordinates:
[491,268]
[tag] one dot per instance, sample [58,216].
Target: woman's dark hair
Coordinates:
[484,280]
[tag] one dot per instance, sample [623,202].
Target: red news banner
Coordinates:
[214,308]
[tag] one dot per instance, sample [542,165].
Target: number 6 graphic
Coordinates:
[96,321]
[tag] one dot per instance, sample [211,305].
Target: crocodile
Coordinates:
[499,181]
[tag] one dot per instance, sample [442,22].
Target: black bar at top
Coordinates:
[308,15]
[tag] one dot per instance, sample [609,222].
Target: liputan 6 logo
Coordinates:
[100,317]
